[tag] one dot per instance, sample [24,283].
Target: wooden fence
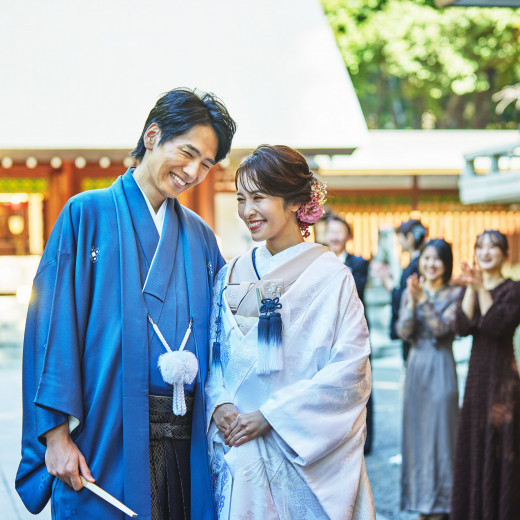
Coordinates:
[460,228]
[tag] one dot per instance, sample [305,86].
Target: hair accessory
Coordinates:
[419,233]
[310,212]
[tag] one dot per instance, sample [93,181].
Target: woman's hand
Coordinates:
[471,276]
[224,415]
[245,428]
[63,458]
[414,284]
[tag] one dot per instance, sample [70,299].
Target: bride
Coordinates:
[290,375]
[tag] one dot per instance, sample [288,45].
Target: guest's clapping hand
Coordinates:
[470,277]
[224,415]
[414,284]
[245,428]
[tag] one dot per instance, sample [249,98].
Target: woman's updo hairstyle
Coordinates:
[278,171]
[415,227]
[283,172]
[496,238]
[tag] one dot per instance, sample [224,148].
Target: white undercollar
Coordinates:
[158,218]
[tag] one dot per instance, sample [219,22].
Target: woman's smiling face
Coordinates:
[488,254]
[266,216]
[430,264]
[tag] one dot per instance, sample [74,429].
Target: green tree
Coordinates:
[416,66]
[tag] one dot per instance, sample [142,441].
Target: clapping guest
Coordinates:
[487,458]
[426,320]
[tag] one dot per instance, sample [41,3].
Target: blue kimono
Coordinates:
[90,355]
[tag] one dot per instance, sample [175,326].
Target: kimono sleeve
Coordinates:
[58,390]
[51,362]
[215,389]
[314,416]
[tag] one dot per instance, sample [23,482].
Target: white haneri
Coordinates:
[177,367]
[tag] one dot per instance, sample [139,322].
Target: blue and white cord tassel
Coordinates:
[177,367]
[270,352]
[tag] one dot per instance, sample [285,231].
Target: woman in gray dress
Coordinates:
[426,320]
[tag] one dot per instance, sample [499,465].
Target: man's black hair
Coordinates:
[181,109]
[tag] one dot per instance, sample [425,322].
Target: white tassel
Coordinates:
[179,403]
[177,367]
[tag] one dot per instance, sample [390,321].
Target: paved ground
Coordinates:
[382,464]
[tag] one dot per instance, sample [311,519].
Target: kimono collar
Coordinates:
[157,281]
[158,217]
[142,221]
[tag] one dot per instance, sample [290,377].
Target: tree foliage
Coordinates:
[414,66]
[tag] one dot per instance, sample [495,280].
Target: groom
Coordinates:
[124,269]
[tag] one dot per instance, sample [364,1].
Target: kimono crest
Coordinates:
[94,254]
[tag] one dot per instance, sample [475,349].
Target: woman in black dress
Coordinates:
[486,480]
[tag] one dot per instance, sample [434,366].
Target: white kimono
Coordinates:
[311,464]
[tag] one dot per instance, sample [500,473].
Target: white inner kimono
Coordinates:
[311,464]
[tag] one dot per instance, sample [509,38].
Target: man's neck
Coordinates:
[342,255]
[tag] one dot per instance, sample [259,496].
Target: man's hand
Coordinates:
[224,415]
[63,458]
[245,428]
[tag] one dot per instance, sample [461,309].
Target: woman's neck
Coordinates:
[433,285]
[491,279]
[279,243]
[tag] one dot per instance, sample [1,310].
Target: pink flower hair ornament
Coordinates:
[310,212]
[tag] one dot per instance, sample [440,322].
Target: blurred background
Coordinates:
[404,108]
